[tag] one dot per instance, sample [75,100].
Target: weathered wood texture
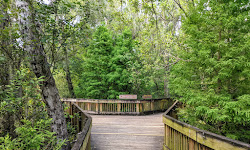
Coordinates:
[121,107]
[83,123]
[31,43]
[113,132]
[181,136]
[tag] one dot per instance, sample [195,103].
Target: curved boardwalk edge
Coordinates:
[83,124]
[182,136]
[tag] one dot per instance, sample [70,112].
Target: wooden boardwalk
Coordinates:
[115,132]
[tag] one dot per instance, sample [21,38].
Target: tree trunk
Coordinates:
[8,121]
[68,76]
[38,61]
[166,79]
[166,88]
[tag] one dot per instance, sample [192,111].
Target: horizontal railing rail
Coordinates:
[83,123]
[120,107]
[182,136]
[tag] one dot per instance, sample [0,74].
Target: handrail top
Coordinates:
[84,132]
[204,132]
[109,100]
[86,114]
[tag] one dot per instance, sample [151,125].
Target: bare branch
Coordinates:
[181,7]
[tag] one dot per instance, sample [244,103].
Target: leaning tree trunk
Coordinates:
[32,44]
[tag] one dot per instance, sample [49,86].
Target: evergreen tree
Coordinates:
[122,58]
[96,65]
[106,65]
[214,79]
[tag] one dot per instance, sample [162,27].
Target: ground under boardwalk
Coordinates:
[115,132]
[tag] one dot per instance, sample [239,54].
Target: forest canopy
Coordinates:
[195,51]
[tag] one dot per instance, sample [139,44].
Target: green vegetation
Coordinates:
[195,51]
[214,81]
[105,70]
[30,135]
[24,121]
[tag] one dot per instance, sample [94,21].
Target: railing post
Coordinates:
[141,107]
[88,106]
[100,107]
[137,107]
[77,122]
[70,108]
[70,111]
[191,144]
[118,107]
[152,105]
[96,107]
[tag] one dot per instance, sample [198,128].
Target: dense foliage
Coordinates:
[23,118]
[196,51]
[105,69]
[214,81]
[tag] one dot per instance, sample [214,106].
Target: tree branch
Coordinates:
[179,5]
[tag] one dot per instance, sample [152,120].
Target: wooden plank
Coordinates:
[100,107]
[137,107]
[191,144]
[168,136]
[216,143]
[141,107]
[206,140]
[165,134]
[96,107]
[175,140]
[152,106]
[127,132]
[89,107]
[171,139]
[113,113]
[184,130]
[118,107]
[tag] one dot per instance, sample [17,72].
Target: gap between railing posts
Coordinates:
[122,107]
[182,136]
[83,123]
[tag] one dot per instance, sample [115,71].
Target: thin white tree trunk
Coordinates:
[32,44]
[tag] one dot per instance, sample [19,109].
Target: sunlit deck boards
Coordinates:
[113,132]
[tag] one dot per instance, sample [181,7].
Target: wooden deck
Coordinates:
[113,132]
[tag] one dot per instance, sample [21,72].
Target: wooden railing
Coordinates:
[181,136]
[83,123]
[115,106]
